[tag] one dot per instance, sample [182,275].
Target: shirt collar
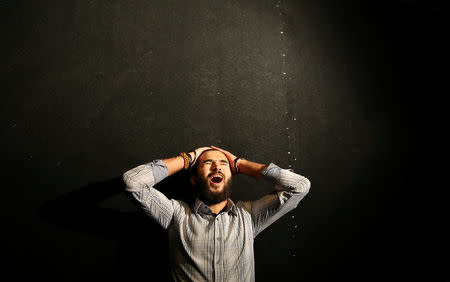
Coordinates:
[200,207]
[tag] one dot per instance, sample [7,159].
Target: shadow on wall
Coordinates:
[143,249]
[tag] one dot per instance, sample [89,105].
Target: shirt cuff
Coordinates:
[160,170]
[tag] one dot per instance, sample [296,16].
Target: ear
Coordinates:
[192,180]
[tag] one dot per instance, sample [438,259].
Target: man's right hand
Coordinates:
[175,164]
[198,152]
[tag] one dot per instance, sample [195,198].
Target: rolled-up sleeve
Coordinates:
[290,188]
[139,182]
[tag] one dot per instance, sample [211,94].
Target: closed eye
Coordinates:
[224,162]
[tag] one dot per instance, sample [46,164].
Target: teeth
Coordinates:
[217,175]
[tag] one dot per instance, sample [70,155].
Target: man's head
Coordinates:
[211,176]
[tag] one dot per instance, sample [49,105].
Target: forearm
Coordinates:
[286,179]
[146,175]
[140,182]
[250,168]
[290,189]
[174,164]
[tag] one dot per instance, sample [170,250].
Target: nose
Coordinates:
[215,166]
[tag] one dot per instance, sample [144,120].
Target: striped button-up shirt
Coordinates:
[204,246]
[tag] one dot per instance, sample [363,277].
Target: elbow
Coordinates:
[295,183]
[126,180]
[303,186]
[132,189]
[307,185]
[130,184]
[138,178]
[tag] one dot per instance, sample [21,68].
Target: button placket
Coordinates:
[218,230]
[216,248]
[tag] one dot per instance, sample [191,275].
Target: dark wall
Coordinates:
[93,88]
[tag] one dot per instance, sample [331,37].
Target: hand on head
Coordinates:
[196,153]
[229,156]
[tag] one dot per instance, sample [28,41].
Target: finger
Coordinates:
[229,156]
[225,152]
[197,153]
[214,147]
[200,151]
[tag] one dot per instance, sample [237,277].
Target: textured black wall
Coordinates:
[93,88]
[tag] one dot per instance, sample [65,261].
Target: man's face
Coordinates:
[213,179]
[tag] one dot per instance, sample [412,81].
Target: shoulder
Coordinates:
[180,207]
[244,207]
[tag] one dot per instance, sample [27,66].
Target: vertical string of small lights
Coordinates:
[289,117]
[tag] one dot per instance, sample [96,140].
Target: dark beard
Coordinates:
[209,197]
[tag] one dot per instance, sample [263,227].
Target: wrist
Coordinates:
[187,160]
[192,155]
[236,166]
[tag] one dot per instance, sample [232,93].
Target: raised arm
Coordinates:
[140,182]
[289,187]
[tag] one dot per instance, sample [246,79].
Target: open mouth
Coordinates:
[216,178]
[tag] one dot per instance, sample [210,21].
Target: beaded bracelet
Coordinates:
[186,158]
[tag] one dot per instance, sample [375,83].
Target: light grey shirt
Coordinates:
[204,246]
